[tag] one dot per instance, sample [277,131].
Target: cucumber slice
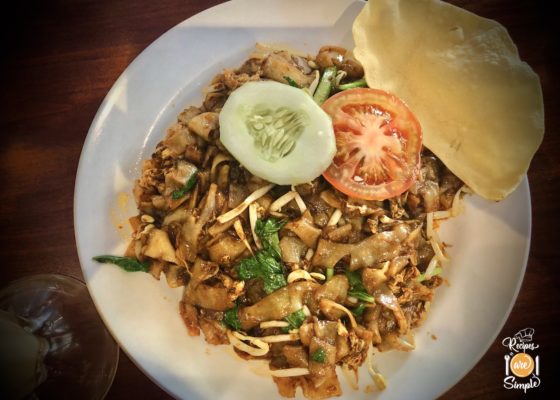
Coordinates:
[277,132]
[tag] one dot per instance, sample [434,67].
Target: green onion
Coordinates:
[357,288]
[126,263]
[359,310]
[325,86]
[177,194]
[266,264]
[361,295]
[295,320]
[263,265]
[330,273]
[351,85]
[291,82]
[319,355]
[231,318]
[267,230]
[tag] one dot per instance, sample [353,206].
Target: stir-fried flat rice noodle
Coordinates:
[304,276]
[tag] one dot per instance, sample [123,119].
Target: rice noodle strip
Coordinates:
[234,212]
[235,338]
[253,216]
[221,157]
[309,254]
[288,372]
[340,307]
[241,233]
[282,201]
[351,376]
[274,324]
[299,274]
[335,217]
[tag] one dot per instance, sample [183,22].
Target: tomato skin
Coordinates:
[378,143]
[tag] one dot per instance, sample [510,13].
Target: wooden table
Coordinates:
[60,58]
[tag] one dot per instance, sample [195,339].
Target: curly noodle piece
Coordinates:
[236,338]
[239,230]
[378,379]
[351,376]
[340,307]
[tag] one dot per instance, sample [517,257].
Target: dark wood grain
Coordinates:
[60,58]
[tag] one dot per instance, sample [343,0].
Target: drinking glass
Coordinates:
[53,342]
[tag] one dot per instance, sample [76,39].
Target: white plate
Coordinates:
[490,240]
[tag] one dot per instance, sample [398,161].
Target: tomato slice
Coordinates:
[378,142]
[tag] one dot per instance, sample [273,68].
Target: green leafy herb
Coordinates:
[126,263]
[177,194]
[351,85]
[359,310]
[355,280]
[266,264]
[357,288]
[325,86]
[422,277]
[291,82]
[248,268]
[267,230]
[295,320]
[231,318]
[319,355]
